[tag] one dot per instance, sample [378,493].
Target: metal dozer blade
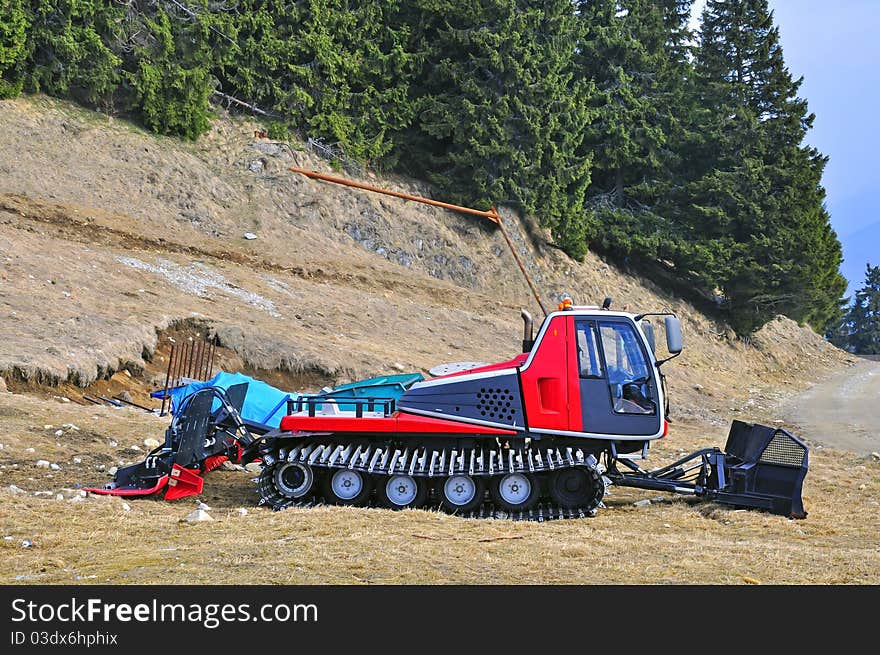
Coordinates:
[761,467]
[764,467]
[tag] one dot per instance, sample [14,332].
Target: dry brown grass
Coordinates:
[676,541]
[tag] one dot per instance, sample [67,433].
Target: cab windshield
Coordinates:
[627,369]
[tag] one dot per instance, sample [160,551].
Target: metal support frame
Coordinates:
[310,403]
[668,478]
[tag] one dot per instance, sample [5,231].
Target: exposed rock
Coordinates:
[151,443]
[241,511]
[642,503]
[253,467]
[77,460]
[197,516]
[875,456]
[271,149]
[59,496]
[203,506]
[15,490]
[250,236]
[112,470]
[397,366]
[26,543]
[126,507]
[3,388]
[42,463]
[29,450]
[76,499]
[136,449]
[54,467]
[125,395]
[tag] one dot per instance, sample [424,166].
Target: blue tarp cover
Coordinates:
[267,405]
[263,403]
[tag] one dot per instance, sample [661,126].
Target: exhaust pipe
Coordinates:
[528,341]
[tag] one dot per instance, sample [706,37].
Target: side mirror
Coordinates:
[648,331]
[673,335]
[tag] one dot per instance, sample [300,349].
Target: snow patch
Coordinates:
[198,279]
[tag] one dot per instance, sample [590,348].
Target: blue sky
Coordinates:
[835,46]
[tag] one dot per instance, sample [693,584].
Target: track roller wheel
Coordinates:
[293,480]
[461,493]
[401,491]
[577,487]
[347,487]
[515,491]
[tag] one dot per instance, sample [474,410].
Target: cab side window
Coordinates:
[589,356]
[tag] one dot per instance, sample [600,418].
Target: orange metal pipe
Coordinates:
[492,215]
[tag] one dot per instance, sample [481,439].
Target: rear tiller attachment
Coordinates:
[198,440]
[761,467]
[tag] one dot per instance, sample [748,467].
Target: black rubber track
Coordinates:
[544,510]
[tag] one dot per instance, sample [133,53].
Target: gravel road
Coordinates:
[844,410]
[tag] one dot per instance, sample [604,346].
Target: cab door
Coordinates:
[618,388]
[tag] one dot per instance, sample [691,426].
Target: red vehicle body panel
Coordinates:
[552,398]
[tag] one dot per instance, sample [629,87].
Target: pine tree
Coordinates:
[335,69]
[624,134]
[756,200]
[13,39]
[171,74]
[638,53]
[68,50]
[859,332]
[499,113]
